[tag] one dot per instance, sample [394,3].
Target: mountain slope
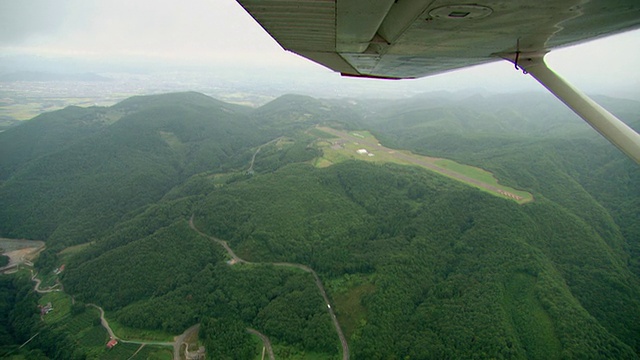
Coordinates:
[78,179]
[416,265]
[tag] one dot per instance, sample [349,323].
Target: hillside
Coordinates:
[415,264]
[74,173]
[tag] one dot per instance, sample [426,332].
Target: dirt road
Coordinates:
[236,259]
[265,341]
[253,158]
[104,322]
[39,282]
[30,251]
[179,340]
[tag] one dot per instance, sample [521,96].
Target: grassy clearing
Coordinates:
[282,142]
[470,171]
[61,304]
[128,333]
[321,134]
[171,139]
[154,353]
[76,324]
[349,309]
[347,292]
[347,148]
[290,353]
[94,337]
[68,252]
[220,180]
[322,163]
[120,351]
[481,175]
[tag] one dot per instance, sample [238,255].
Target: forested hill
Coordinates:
[416,265]
[73,173]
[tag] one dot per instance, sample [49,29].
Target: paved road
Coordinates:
[236,259]
[253,158]
[176,344]
[38,282]
[334,319]
[104,322]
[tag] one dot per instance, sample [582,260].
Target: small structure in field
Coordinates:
[113,342]
[57,271]
[362,151]
[44,310]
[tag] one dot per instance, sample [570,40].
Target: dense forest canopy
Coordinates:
[416,265]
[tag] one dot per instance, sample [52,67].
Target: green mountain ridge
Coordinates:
[416,265]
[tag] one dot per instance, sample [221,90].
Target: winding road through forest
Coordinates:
[105,324]
[39,282]
[253,158]
[176,344]
[236,259]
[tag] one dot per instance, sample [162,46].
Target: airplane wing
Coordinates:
[400,39]
[416,38]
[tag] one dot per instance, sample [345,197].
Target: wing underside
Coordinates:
[415,38]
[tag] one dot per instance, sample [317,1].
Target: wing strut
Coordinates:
[617,132]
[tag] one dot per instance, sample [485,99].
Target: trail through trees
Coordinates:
[236,259]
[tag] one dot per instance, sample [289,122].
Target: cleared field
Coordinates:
[136,334]
[362,145]
[120,351]
[479,174]
[154,352]
[321,134]
[30,108]
[66,253]
[61,304]
[94,337]
[76,324]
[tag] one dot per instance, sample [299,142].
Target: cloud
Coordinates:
[219,33]
[33,20]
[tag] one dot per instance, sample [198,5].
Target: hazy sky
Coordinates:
[219,33]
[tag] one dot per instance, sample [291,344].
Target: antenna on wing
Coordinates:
[517,59]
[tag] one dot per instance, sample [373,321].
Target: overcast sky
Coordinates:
[220,34]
